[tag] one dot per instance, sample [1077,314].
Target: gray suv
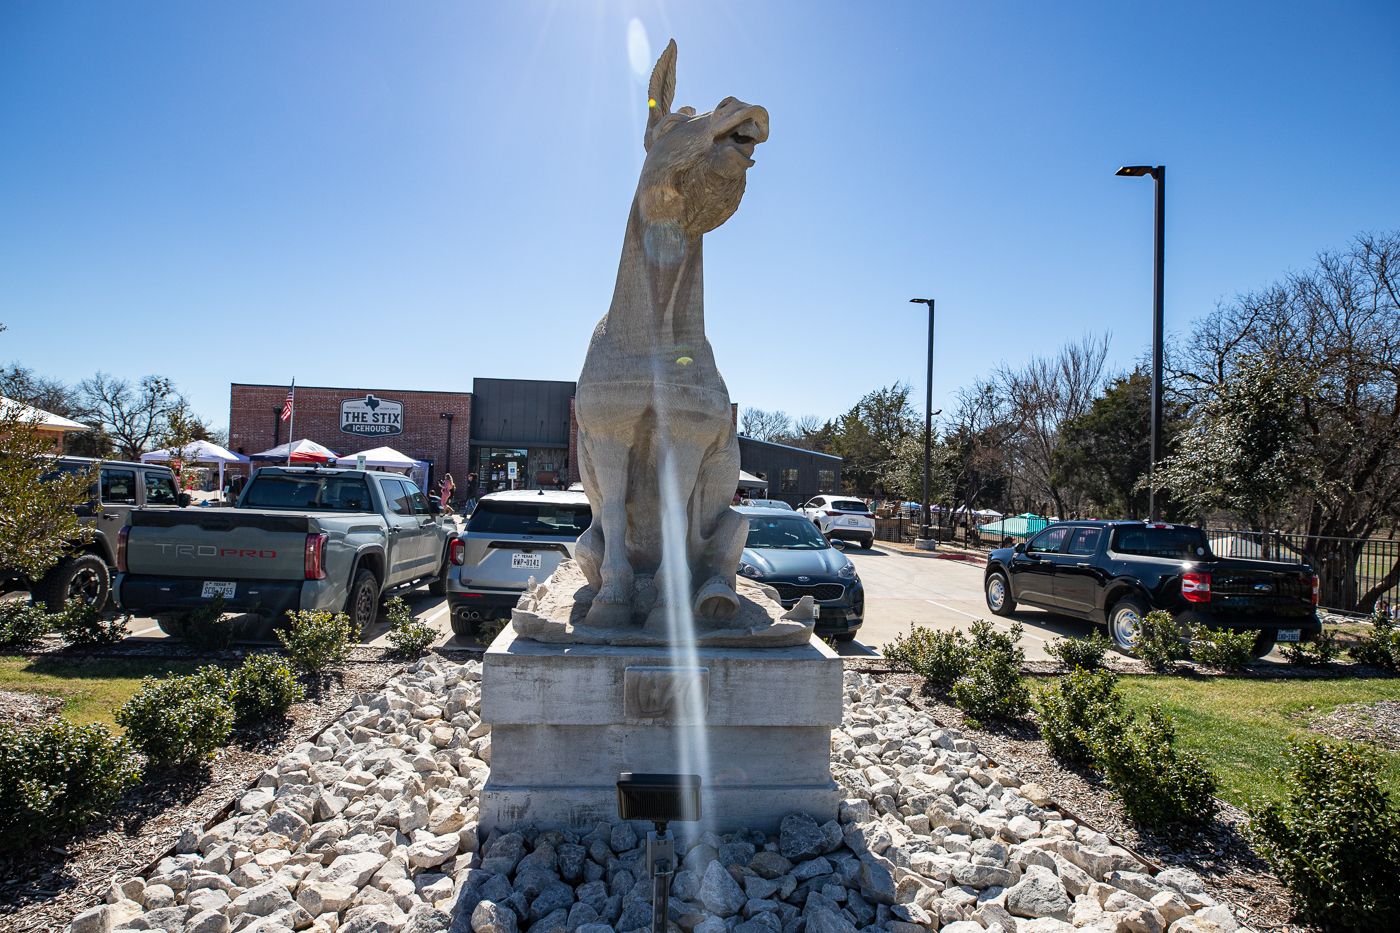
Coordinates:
[511,537]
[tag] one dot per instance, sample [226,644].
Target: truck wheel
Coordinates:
[83,576]
[1263,643]
[999,595]
[172,625]
[1124,623]
[362,605]
[439,586]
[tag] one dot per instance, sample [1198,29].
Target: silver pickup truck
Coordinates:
[298,538]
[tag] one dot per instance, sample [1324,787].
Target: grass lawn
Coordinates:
[89,688]
[1243,727]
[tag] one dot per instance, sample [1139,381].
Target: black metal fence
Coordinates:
[1353,573]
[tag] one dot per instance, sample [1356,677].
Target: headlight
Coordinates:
[847,572]
[749,570]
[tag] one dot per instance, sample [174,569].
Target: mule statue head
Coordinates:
[693,177]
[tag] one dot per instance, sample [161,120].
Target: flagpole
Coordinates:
[292,422]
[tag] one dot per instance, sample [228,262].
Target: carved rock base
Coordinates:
[553,612]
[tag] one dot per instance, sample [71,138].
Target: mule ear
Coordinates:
[661,90]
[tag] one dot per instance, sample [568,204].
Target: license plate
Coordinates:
[852,521]
[1289,634]
[520,561]
[213,588]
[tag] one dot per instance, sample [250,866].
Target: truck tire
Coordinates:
[439,586]
[998,592]
[362,605]
[82,576]
[172,625]
[1263,643]
[1124,620]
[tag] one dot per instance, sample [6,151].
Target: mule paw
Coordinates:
[604,614]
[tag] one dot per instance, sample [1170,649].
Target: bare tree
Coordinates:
[1040,397]
[764,425]
[133,416]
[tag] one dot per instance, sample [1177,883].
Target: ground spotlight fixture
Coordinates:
[660,798]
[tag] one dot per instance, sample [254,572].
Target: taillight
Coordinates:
[315,553]
[1196,587]
[457,552]
[1314,589]
[121,555]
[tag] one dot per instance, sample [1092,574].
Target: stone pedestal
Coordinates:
[567,719]
[926,544]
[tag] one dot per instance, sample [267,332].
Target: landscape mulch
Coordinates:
[1377,722]
[1220,851]
[43,887]
[25,709]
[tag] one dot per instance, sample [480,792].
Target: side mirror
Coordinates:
[183,500]
[1021,548]
[838,544]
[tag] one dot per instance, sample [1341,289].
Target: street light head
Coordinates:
[1136,171]
[921,301]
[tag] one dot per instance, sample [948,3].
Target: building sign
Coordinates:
[371,416]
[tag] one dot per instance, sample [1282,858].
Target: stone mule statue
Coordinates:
[655,425]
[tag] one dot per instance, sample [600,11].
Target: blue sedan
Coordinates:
[786,552]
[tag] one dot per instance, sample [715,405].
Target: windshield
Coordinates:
[850,505]
[309,491]
[498,517]
[1177,543]
[796,534]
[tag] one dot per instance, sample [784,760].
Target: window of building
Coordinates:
[789,481]
[826,481]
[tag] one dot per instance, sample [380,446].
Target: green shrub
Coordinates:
[1323,650]
[1080,654]
[23,623]
[264,687]
[179,719]
[1159,641]
[992,687]
[1072,707]
[1336,842]
[407,634]
[1223,649]
[206,629]
[316,640]
[1381,648]
[938,657]
[58,776]
[1156,783]
[81,624]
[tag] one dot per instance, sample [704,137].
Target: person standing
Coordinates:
[446,493]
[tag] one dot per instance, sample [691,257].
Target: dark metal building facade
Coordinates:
[794,475]
[520,424]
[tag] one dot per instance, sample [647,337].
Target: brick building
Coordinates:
[524,427]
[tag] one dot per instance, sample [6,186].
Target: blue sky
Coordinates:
[411,195]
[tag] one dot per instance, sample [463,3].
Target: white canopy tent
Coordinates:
[197,452]
[749,481]
[390,459]
[302,451]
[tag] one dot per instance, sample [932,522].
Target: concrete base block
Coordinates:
[926,544]
[755,723]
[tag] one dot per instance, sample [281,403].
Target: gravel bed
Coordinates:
[27,708]
[372,828]
[1219,852]
[1377,722]
[43,887]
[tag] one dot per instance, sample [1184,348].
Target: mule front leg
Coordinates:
[612,607]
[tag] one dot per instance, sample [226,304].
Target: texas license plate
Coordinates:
[1289,634]
[852,521]
[214,588]
[520,561]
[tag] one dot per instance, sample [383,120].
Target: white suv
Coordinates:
[841,518]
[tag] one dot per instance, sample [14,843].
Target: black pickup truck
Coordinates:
[1113,573]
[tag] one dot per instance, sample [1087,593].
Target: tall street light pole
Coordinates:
[925,541]
[449,416]
[1159,176]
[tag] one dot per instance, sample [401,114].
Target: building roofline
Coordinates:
[815,453]
[279,385]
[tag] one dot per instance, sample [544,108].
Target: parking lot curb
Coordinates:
[934,555]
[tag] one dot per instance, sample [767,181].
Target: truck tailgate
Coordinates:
[218,544]
[1248,587]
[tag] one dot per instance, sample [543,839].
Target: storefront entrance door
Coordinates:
[497,465]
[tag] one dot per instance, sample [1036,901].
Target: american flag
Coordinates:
[287,408]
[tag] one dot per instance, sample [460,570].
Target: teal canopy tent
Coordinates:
[1017,526]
